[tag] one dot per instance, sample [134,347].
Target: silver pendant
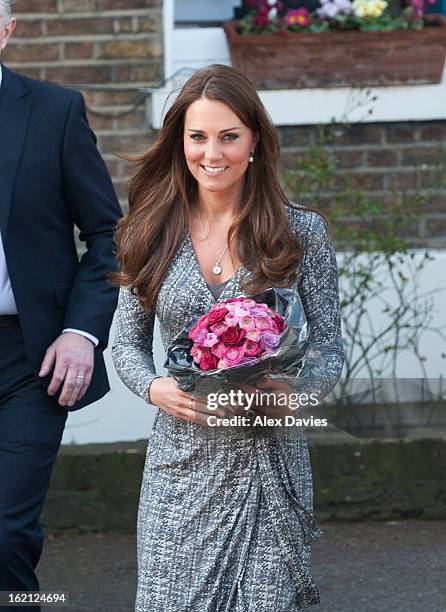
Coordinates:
[216,269]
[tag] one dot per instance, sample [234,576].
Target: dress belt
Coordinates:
[8,320]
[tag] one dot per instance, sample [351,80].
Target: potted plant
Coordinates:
[331,43]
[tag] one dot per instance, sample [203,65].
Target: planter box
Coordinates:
[333,59]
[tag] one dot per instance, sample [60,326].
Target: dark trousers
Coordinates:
[31,427]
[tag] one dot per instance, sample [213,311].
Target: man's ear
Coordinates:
[9,29]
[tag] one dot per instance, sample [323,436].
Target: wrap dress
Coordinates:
[225,516]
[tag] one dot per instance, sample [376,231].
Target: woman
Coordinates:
[225,516]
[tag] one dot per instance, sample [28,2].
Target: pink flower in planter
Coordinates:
[418,8]
[298,17]
[263,9]
[260,21]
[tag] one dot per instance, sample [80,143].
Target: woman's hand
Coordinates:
[165,394]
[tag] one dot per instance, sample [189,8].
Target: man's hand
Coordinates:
[72,356]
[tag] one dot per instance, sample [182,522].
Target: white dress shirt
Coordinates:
[7,301]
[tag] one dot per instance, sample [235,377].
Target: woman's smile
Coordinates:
[214,170]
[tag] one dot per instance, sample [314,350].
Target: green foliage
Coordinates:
[393,18]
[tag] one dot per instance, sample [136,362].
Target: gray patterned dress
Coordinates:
[225,516]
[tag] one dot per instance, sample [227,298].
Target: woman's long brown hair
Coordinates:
[163,192]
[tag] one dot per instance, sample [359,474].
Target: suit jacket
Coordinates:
[52,178]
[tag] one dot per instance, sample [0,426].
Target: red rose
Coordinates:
[217,315]
[260,21]
[232,336]
[251,348]
[202,323]
[208,361]
[278,321]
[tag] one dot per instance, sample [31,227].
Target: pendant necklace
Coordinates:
[217,267]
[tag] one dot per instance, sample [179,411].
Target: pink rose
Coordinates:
[263,322]
[241,311]
[193,332]
[208,361]
[217,315]
[232,336]
[251,348]
[196,353]
[219,328]
[231,319]
[248,303]
[211,339]
[218,349]
[233,356]
[247,322]
[202,321]
[197,327]
[253,335]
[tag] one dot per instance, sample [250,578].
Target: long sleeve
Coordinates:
[132,351]
[319,293]
[90,197]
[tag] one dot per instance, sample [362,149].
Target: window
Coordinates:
[204,13]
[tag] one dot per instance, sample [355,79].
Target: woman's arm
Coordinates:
[319,293]
[132,351]
[132,355]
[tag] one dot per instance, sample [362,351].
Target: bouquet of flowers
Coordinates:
[321,15]
[236,331]
[240,340]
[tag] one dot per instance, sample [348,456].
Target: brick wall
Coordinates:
[106,48]
[386,157]
[111,48]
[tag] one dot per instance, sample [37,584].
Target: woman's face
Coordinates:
[216,146]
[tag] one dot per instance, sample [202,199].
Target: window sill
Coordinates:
[196,47]
[321,106]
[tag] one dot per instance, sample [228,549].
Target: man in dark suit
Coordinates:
[55,311]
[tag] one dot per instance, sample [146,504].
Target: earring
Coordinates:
[251,157]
